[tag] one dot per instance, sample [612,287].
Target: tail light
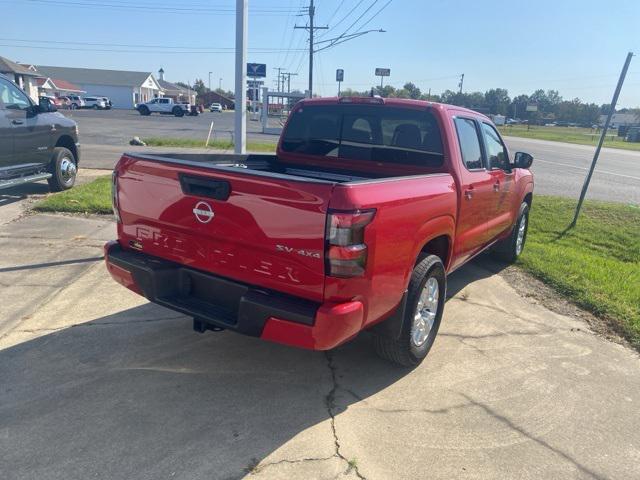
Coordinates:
[114,196]
[346,251]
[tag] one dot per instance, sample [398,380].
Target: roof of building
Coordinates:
[59,84]
[95,76]
[172,87]
[7,66]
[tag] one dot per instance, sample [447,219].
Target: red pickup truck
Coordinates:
[353,225]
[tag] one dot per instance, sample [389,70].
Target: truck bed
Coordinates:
[263,165]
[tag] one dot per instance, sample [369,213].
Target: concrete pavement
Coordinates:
[97,383]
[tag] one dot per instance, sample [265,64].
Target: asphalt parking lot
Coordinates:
[98,383]
[560,168]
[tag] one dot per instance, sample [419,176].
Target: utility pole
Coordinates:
[220,84]
[603,135]
[240,128]
[210,80]
[461,82]
[288,75]
[280,69]
[311,28]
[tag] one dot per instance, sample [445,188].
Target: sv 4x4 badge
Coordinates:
[299,251]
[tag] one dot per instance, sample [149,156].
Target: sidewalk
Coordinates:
[97,383]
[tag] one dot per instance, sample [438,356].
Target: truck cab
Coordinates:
[36,142]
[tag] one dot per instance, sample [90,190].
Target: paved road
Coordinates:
[97,383]
[560,168]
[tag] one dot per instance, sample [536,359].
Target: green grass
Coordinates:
[94,197]
[217,144]
[596,264]
[581,136]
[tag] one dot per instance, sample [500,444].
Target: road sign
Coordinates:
[532,107]
[256,70]
[383,72]
[340,75]
[255,83]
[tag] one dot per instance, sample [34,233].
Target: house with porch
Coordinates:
[124,88]
[25,78]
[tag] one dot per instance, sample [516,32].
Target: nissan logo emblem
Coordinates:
[203,212]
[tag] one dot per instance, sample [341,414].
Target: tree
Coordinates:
[497,101]
[412,90]
[200,87]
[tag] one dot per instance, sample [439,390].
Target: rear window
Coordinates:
[365,132]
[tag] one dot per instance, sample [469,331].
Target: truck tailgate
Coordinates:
[265,230]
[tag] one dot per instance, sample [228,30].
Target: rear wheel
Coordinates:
[73,106]
[511,247]
[423,313]
[63,170]
[95,107]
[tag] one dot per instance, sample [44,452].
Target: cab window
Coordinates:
[469,140]
[497,155]
[12,97]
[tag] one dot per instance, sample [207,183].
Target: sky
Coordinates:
[577,47]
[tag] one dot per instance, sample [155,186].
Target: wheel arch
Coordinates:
[67,142]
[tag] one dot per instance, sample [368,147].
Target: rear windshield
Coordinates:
[365,132]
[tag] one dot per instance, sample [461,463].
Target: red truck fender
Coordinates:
[443,226]
[439,232]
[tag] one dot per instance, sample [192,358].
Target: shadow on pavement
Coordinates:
[139,395]
[15,194]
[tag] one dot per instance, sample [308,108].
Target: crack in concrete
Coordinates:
[330,403]
[255,468]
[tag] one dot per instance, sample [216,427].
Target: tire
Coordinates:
[95,107]
[178,112]
[414,342]
[509,249]
[63,169]
[73,106]
[144,111]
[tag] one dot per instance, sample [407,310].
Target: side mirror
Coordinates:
[522,160]
[45,105]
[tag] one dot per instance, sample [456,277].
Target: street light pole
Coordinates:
[210,80]
[240,135]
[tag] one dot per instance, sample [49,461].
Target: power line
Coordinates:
[59,42]
[111,50]
[375,14]
[263,11]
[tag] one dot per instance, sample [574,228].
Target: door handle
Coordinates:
[468,193]
[17,122]
[496,186]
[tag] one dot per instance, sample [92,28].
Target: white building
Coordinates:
[124,88]
[24,77]
[620,119]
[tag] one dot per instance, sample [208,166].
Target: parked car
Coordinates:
[96,103]
[352,225]
[36,142]
[215,107]
[164,106]
[75,102]
[58,103]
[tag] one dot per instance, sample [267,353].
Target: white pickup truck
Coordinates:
[165,106]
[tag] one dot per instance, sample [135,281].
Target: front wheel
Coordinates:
[73,106]
[178,112]
[511,247]
[63,170]
[144,111]
[422,316]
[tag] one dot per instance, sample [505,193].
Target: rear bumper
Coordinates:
[223,303]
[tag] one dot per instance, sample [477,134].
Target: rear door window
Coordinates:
[469,143]
[366,132]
